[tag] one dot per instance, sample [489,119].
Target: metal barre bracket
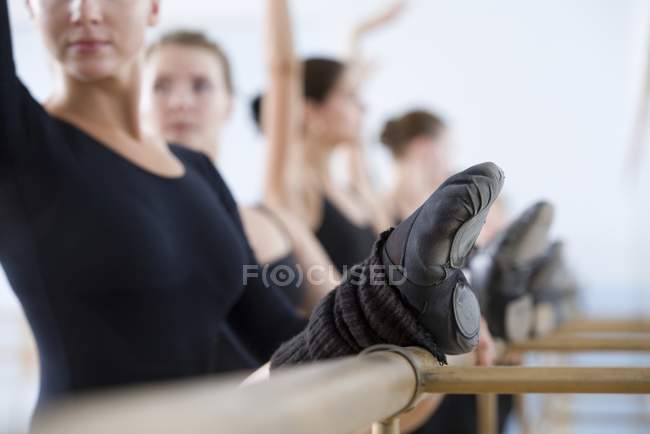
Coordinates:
[408,355]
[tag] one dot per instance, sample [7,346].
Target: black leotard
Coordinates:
[124,276]
[346,243]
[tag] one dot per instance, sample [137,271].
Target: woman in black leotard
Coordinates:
[114,242]
[343,240]
[311,110]
[128,255]
[188,94]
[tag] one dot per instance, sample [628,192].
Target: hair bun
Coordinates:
[398,132]
[391,134]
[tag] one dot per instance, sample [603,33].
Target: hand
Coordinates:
[362,68]
[262,374]
[380,19]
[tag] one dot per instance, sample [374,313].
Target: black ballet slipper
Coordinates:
[425,253]
[501,273]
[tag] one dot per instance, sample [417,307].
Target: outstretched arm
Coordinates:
[281,110]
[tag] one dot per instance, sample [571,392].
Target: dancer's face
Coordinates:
[338,120]
[94,39]
[186,95]
[431,154]
[436,150]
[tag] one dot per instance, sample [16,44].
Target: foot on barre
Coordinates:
[411,291]
[553,289]
[501,272]
[426,252]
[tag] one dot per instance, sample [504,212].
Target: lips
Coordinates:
[180,127]
[88,45]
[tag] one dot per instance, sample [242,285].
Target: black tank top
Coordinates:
[284,272]
[346,243]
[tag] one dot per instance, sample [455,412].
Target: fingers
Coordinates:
[383,18]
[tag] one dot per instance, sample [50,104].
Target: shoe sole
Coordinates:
[535,239]
[465,238]
[519,317]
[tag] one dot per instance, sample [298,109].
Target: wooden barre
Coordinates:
[515,380]
[339,396]
[599,417]
[568,344]
[330,397]
[605,325]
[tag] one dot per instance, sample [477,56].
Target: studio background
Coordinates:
[545,89]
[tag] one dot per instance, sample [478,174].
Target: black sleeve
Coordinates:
[7,91]
[8,88]
[262,317]
[19,112]
[7,84]
[7,68]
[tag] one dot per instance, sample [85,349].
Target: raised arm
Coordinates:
[281,110]
[8,81]
[20,114]
[356,60]
[9,91]
[7,68]
[362,68]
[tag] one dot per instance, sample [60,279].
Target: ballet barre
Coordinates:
[564,341]
[576,343]
[605,325]
[330,397]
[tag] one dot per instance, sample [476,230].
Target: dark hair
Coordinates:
[398,132]
[256,110]
[194,39]
[320,76]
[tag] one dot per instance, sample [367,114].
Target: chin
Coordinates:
[91,70]
[174,139]
[180,139]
